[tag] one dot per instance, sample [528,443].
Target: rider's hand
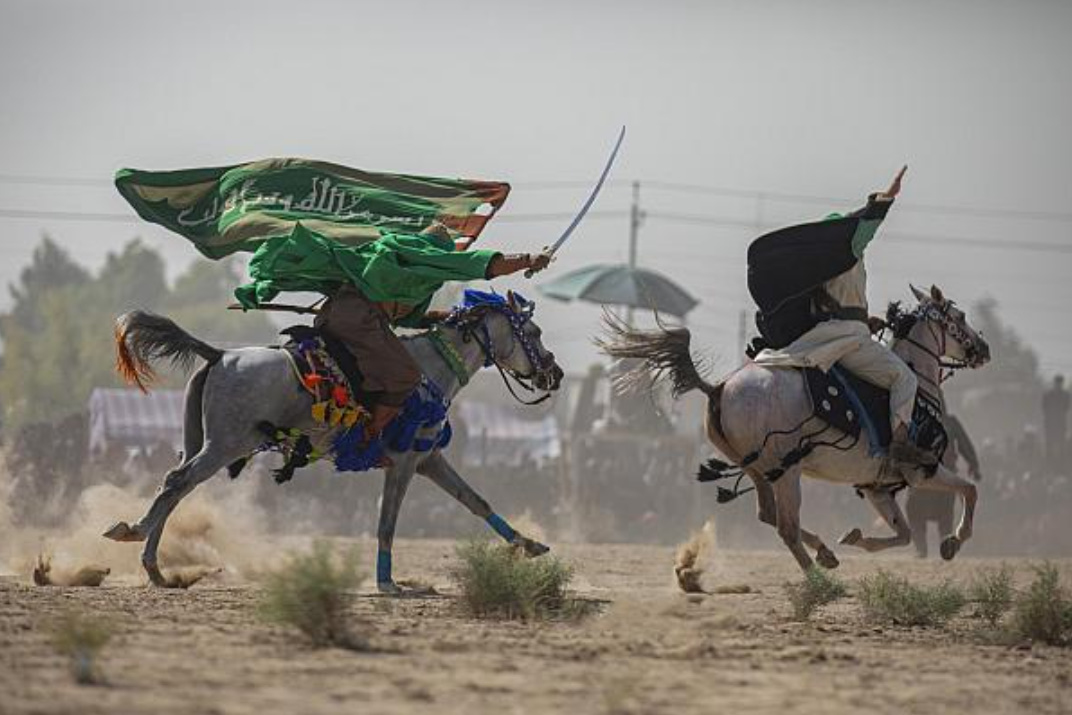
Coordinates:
[895,186]
[876,324]
[538,262]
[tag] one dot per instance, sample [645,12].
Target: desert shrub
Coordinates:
[499,581]
[817,588]
[309,593]
[81,637]
[1043,611]
[991,592]
[891,599]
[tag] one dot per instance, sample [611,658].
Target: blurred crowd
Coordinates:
[624,471]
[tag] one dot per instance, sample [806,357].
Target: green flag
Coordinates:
[233,208]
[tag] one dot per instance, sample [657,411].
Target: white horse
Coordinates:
[760,411]
[237,390]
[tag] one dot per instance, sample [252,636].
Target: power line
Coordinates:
[1042,246]
[759,195]
[131,218]
[669,186]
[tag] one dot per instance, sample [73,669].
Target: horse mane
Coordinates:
[900,320]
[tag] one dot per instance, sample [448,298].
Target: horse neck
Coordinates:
[918,350]
[436,367]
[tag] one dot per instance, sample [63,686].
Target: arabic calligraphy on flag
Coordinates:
[233,208]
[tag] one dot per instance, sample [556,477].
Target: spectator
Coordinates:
[1055,404]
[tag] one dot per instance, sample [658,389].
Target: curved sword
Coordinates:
[587,204]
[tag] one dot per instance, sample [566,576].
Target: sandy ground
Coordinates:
[651,649]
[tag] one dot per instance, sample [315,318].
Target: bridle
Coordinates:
[942,327]
[471,322]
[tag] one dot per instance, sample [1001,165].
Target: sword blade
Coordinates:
[591,197]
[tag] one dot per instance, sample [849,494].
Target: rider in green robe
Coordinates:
[373,287]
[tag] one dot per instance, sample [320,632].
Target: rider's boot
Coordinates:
[905,453]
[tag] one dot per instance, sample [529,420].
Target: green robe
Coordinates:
[397,267]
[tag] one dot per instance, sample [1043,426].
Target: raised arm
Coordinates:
[872,215]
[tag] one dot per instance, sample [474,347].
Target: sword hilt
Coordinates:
[529,272]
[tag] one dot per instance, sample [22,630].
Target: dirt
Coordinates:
[651,649]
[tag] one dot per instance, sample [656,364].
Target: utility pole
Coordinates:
[635,217]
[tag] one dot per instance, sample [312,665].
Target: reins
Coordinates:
[471,321]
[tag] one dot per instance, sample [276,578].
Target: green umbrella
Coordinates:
[624,286]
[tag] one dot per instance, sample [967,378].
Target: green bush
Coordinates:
[81,638]
[310,594]
[991,592]
[499,581]
[890,599]
[1043,612]
[817,588]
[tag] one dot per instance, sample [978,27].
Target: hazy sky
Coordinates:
[817,98]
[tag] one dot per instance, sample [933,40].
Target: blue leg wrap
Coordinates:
[383,566]
[501,527]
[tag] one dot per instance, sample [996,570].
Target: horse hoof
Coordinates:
[389,588]
[122,531]
[851,538]
[826,558]
[530,547]
[950,547]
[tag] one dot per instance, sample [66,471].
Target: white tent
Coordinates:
[499,435]
[134,419]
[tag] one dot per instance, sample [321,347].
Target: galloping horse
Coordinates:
[754,410]
[237,390]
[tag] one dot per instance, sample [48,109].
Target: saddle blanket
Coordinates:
[851,404]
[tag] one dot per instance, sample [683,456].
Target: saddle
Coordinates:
[851,404]
[305,336]
[341,407]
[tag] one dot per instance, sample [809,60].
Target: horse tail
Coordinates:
[142,338]
[664,352]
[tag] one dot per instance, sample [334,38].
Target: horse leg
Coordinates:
[946,480]
[767,511]
[886,505]
[395,484]
[178,483]
[787,496]
[437,468]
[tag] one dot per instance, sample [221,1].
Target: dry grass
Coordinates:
[1043,612]
[991,592]
[817,588]
[81,637]
[891,599]
[310,593]
[498,581]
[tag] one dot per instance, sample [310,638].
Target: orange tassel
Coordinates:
[340,395]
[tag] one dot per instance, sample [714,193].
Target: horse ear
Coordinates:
[920,295]
[936,294]
[511,299]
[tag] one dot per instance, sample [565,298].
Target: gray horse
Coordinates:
[236,390]
[762,409]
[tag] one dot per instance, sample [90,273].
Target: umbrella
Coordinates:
[624,286]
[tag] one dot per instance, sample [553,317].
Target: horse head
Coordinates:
[510,338]
[954,338]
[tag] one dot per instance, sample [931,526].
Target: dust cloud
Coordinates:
[219,532]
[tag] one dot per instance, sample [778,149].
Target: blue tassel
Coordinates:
[383,566]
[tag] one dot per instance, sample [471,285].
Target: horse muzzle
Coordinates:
[549,379]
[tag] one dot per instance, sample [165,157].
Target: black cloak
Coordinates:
[787,268]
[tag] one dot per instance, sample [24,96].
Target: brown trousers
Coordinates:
[362,326]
